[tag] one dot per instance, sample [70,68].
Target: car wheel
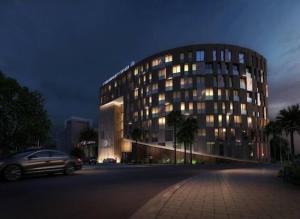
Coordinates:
[12,173]
[69,169]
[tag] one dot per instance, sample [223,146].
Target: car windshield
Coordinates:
[21,153]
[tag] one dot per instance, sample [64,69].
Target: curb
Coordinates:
[151,209]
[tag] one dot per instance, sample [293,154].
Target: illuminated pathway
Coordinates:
[231,193]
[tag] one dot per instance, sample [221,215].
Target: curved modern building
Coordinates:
[223,86]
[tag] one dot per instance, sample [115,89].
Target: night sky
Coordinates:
[66,48]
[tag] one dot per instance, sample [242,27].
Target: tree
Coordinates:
[136,135]
[289,119]
[278,143]
[274,129]
[174,119]
[23,120]
[88,135]
[186,135]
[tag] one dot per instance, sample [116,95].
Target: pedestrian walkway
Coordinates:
[231,193]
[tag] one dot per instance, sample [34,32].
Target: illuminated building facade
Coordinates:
[223,86]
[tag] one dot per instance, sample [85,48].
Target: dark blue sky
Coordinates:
[67,48]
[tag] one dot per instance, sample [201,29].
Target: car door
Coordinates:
[38,162]
[57,160]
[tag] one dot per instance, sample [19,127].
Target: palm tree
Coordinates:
[289,119]
[174,119]
[186,135]
[136,135]
[273,129]
[88,135]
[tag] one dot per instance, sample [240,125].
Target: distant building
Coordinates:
[70,136]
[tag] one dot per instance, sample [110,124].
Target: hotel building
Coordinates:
[223,86]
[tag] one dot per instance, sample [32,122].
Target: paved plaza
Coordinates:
[231,193]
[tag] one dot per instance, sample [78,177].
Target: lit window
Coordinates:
[258,99]
[209,120]
[200,56]
[201,107]
[195,95]
[162,74]
[210,146]
[176,69]
[261,76]
[237,119]
[235,70]
[161,122]
[156,62]
[201,132]
[209,94]
[186,67]
[191,107]
[232,132]
[136,71]
[135,116]
[236,95]
[150,101]
[230,107]
[136,93]
[220,133]
[249,121]
[219,94]
[227,119]
[243,109]
[214,55]
[227,55]
[154,111]
[154,88]
[216,133]
[161,98]
[220,120]
[150,77]
[194,67]
[229,82]
[168,58]
[182,106]
[243,83]
[182,83]
[227,94]
[215,107]
[249,97]
[169,84]
[241,58]
[186,82]
[249,81]
[222,55]
[169,107]
[223,107]
[226,69]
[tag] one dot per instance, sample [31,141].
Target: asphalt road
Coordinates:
[104,192]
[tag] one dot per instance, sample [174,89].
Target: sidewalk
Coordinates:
[231,193]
